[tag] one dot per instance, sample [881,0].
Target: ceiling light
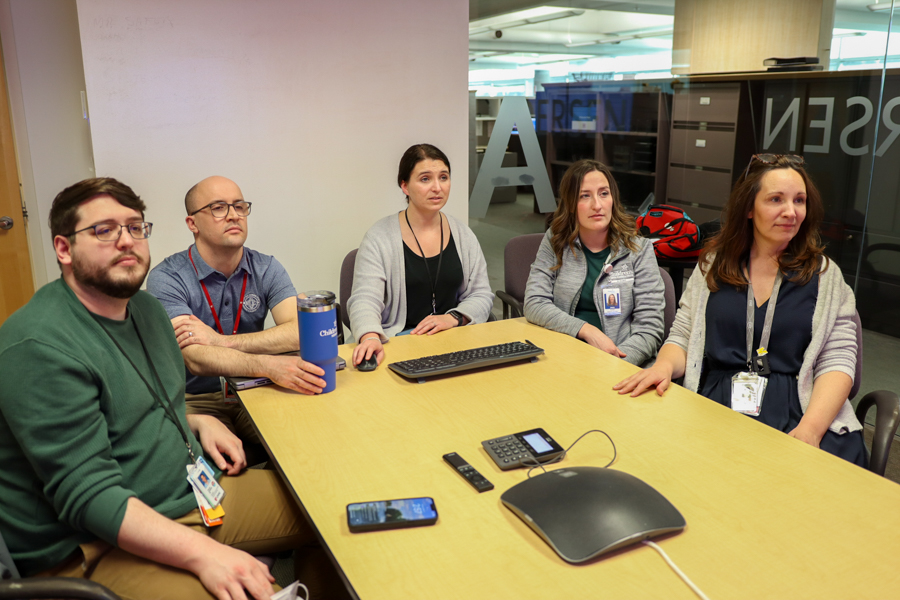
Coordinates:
[528,21]
[877,7]
[621,38]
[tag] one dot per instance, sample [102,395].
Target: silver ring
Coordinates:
[190,334]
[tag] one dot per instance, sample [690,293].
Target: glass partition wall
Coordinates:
[676,96]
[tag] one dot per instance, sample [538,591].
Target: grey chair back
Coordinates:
[671,303]
[518,256]
[347,283]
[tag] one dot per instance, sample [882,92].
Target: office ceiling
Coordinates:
[508,33]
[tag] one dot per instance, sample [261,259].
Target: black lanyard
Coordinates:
[440,258]
[166,406]
[761,364]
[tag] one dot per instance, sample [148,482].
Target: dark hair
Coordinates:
[64,211]
[731,246]
[564,226]
[416,154]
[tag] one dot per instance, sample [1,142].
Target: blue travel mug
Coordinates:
[316,318]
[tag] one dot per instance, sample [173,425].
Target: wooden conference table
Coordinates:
[767,516]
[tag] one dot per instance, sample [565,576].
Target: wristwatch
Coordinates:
[458,316]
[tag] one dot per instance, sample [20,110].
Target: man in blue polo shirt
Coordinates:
[217,294]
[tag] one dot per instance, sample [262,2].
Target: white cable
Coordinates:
[675,568]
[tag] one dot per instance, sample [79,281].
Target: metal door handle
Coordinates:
[6,223]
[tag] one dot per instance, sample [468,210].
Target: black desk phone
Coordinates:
[524,449]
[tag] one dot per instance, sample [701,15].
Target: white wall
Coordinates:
[42,55]
[308,106]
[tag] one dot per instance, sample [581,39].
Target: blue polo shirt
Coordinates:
[175,283]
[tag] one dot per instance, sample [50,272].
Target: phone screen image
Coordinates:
[391,514]
[537,443]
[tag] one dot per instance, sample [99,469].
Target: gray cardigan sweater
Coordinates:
[551,296]
[378,302]
[832,348]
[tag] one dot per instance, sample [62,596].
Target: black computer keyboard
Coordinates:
[464,360]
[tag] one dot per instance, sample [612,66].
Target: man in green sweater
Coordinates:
[94,440]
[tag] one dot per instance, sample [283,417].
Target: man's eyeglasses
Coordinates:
[773,159]
[110,232]
[220,209]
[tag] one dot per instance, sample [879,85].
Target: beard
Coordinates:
[99,278]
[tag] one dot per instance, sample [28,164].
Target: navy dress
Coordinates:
[726,354]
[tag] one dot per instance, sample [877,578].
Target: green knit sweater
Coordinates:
[80,432]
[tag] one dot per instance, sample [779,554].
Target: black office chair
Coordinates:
[887,411]
[518,256]
[63,588]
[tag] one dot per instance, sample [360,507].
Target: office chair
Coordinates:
[887,411]
[671,303]
[63,588]
[346,288]
[518,255]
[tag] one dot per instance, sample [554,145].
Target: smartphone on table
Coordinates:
[391,514]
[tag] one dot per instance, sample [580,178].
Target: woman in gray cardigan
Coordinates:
[767,267]
[593,278]
[418,271]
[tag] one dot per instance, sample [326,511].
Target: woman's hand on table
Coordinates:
[434,323]
[369,345]
[598,339]
[658,376]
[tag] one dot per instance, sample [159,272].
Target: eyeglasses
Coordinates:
[110,232]
[220,209]
[772,159]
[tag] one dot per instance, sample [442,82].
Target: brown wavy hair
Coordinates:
[564,226]
[730,248]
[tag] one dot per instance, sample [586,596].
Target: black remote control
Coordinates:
[468,471]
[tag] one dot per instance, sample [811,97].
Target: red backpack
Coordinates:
[674,234]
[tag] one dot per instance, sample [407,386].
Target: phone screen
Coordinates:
[391,513]
[537,443]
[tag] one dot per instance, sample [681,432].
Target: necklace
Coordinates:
[440,258]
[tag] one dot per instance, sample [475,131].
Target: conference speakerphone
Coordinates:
[465,360]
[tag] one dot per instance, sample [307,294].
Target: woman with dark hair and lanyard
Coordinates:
[766,321]
[418,271]
[593,277]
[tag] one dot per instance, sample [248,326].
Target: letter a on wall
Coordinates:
[513,112]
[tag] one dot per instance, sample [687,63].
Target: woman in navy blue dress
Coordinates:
[767,264]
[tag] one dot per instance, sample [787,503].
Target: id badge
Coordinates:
[612,301]
[212,517]
[201,477]
[747,391]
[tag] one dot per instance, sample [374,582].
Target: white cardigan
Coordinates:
[832,347]
[378,302]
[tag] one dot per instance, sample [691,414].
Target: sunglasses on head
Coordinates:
[772,159]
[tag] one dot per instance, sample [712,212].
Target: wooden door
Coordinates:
[16,281]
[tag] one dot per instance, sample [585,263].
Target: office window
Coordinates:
[676,96]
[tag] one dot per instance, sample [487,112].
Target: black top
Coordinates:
[726,354]
[418,284]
